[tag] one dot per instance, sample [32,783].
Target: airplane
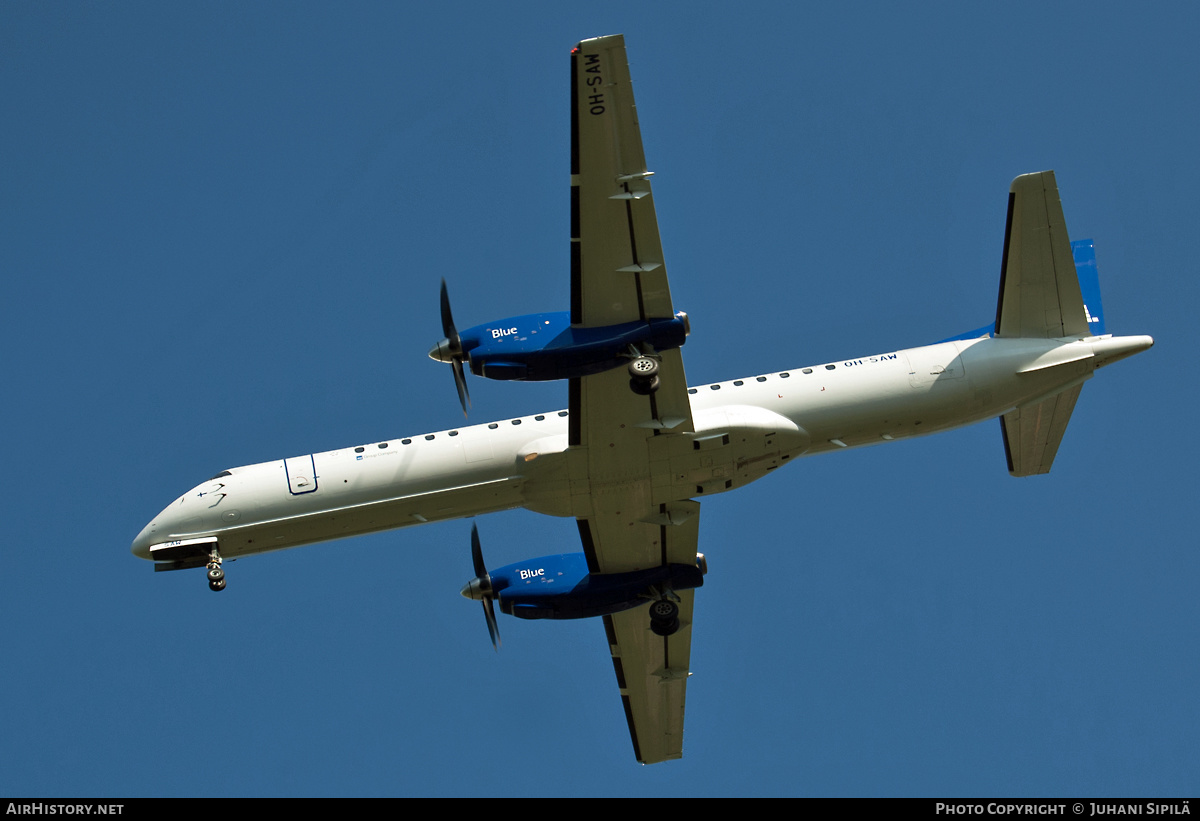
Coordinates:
[636,448]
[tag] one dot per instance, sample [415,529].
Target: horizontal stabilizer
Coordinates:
[1039,289]
[1033,433]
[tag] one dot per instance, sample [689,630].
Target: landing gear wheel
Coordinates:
[642,387]
[664,610]
[215,574]
[643,375]
[643,368]
[664,628]
[664,617]
[217,586]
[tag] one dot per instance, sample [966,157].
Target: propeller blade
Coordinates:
[484,586]
[450,350]
[448,329]
[477,552]
[493,628]
[460,381]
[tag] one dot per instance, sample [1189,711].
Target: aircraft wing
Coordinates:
[617,269]
[652,676]
[618,472]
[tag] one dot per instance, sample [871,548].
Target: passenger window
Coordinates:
[762,379]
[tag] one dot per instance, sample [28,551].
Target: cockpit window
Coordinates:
[221,475]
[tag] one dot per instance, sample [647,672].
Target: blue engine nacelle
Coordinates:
[560,587]
[541,347]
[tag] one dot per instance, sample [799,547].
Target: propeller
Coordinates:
[450,351]
[480,588]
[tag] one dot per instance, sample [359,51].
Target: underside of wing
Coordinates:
[617,459]
[617,269]
[618,273]
[1039,289]
[652,669]
[652,676]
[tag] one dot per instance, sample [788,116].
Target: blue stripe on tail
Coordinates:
[1089,284]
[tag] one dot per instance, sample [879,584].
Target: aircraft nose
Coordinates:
[141,545]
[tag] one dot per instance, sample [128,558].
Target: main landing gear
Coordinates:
[664,617]
[643,375]
[216,576]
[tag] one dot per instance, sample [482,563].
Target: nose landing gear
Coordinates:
[216,576]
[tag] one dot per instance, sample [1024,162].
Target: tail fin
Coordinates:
[1042,297]
[1033,433]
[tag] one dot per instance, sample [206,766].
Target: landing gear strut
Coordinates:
[216,576]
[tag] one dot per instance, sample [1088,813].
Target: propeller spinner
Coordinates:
[480,587]
[450,351]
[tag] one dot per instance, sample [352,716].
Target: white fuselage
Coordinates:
[522,462]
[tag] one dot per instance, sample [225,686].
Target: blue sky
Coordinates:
[222,230]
